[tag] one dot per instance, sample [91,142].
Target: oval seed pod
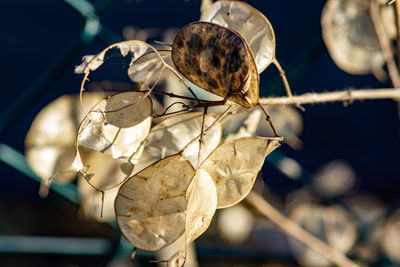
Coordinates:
[174,133]
[350,36]
[50,141]
[252,25]
[115,129]
[213,57]
[150,206]
[331,223]
[234,167]
[254,28]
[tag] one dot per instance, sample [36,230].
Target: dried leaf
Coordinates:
[252,25]
[150,206]
[89,62]
[234,167]
[136,49]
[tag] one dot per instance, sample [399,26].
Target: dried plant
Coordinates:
[163,183]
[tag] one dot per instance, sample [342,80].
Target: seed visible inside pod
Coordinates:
[213,57]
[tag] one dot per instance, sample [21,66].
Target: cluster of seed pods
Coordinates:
[162,175]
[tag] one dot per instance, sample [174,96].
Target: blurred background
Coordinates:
[340,172]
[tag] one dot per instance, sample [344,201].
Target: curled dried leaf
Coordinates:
[234,167]
[252,25]
[150,207]
[89,62]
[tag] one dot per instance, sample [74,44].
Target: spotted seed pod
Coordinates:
[218,60]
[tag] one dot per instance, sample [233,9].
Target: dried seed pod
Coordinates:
[202,203]
[390,239]
[216,59]
[174,133]
[150,207]
[350,36]
[145,68]
[136,49]
[252,25]
[253,123]
[114,129]
[333,224]
[254,28]
[50,141]
[234,167]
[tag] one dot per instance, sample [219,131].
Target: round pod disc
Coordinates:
[350,37]
[213,57]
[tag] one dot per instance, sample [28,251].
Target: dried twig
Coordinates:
[345,96]
[294,230]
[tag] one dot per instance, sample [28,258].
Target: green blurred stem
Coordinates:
[54,245]
[16,160]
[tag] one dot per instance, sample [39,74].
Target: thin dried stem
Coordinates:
[201,135]
[343,96]
[285,81]
[155,83]
[384,43]
[283,76]
[205,131]
[268,119]
[294,230]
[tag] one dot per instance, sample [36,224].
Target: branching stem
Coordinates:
[343,96]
